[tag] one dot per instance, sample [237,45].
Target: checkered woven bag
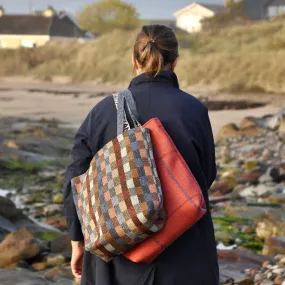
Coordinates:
[119,198]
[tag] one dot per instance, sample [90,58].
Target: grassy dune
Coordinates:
[242,58]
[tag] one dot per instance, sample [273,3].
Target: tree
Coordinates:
[106,15]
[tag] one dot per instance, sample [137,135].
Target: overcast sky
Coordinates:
[147,8]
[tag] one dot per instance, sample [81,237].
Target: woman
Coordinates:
[192,259]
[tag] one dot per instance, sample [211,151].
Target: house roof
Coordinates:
[216,8]
[274,2]
[25,25]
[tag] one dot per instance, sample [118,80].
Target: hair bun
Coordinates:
[156,46]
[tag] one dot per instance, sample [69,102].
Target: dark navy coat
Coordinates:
[192,259]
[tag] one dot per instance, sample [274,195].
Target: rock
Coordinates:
[282,260]
[28,200]
[228,131]
[48,175]
[259,277]
[39,266]
[7,208]
[21,277]
[266,177]
[267,228]
[281,129]
[59,223]
[226,159]
[248,122]
[11,144]
[273,122]
[219,199]
[278,271]
[266,263]
[246,281]
[250,165]
[61,244]
[247,230]
[278,173]
[52,209]
[252,132]
[278,280]
[266,155]
[277,198]
[232,131]
[251,178]
[270,275]
[256,191]
[58,199]
[57,273]
[242,255]
[274,245]
[224,186]
[21,245]
[55,260]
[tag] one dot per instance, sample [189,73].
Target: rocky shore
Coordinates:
[247,201]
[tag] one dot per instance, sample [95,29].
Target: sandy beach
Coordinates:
[71,103]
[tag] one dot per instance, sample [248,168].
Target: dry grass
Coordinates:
[242,58]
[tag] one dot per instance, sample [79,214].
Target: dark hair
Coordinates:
[156,46]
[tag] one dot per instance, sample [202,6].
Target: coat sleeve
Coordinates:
[81,156]
[203,142]
[209,159]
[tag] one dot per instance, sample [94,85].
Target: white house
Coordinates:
[189,18]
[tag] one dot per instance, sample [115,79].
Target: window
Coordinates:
[273,11]
[28,43]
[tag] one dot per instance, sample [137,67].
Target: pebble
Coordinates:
[259,277]
[52,209]
[247,230]
[39,266]
[278,280]
[55,260]
[282,261]
[58,199]
[266,263]
[278,271]
[269,275]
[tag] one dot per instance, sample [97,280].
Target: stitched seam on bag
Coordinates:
[159,243]
[176,150]
[181,205]
[178,184]
[174,211]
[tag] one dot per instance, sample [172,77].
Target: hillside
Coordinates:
[241,58]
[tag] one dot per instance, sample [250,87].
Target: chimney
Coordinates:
[2,11]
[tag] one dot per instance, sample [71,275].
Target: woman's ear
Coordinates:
[135,64]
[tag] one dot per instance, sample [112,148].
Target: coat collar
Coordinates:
[166,76]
